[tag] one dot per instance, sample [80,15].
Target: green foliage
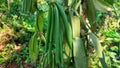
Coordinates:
[3,5]
[95,23]
[4,56]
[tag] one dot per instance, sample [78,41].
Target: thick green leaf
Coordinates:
[76,26]
[40,21]
[102,5]
[96,44]
[79,53]
[102,60]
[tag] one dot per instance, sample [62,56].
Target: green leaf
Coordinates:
[79,53]
[40,21]
[96,44]
[76,26]
[102,5]
[102,60]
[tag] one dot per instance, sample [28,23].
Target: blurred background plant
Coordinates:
[16,29]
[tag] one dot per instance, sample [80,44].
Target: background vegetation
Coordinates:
[99,37]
